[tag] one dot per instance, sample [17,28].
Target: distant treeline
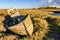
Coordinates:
[46,8]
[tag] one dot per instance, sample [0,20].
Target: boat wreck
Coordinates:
[21,25]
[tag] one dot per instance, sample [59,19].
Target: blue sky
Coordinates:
[27,3]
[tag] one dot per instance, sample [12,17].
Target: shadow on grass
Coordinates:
[54,30]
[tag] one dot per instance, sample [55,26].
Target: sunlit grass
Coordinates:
[43,24]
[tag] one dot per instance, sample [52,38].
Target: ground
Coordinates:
[45,26]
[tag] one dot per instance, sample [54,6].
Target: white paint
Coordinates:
[15,13]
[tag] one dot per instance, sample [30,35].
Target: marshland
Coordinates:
[46,25]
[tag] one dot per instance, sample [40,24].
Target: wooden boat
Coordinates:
[25,27]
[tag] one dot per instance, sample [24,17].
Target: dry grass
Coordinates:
[28,11]
[41,26]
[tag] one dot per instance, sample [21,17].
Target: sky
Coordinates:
[27,3]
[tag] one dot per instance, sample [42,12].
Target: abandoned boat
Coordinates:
[21,25]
